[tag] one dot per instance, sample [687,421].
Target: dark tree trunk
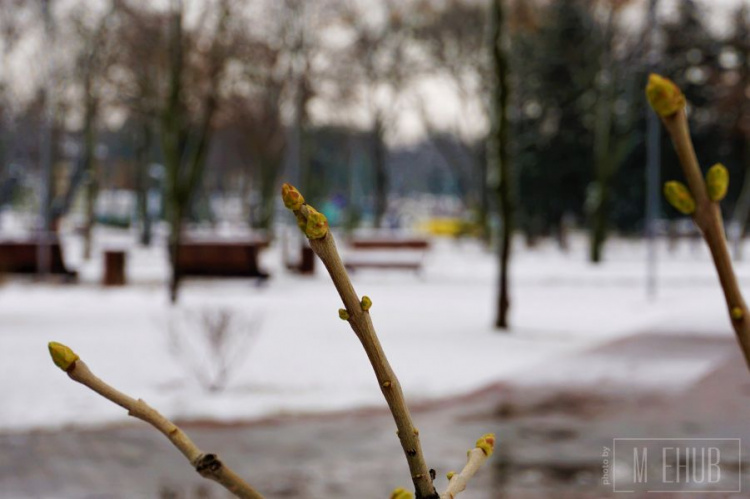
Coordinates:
[175,238]
[143,180]
[380,172]
[500,158]
[603,160]
[185,152]
[89,165]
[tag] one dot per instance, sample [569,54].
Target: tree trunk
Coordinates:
[500,158]
[380,172]
[175,238]
[483,215]
[92,185]
[185,159]
[267,196]
[599,205]
[143,181]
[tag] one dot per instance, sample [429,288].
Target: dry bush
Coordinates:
[211,343]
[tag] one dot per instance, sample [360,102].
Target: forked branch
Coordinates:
[700,198]
[475,458]
[315,226]
[207,465]
[357,313]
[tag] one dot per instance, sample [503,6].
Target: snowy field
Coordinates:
[435,328]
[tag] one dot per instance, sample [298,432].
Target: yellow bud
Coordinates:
[317,224]
[400,493]
[679,196]
[62,356]
[343,314]
[665,97]
[717,182]
[737,313]
[366,303]
[450,474]
[292,197]
[487,444]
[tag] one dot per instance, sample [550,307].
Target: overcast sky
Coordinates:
[719,13]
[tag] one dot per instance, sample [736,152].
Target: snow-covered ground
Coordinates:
[436,329]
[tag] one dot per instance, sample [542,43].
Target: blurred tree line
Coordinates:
[229,96]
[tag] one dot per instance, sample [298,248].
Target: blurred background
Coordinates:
[491,172]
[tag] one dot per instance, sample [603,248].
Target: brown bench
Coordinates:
[418,244]
[306,264]
[391,254]
[212,258]
[21,257]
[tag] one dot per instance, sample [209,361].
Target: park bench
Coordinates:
[221,258]
[386,253]
[21,257]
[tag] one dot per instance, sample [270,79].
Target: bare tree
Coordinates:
[610,148]
[378,56]
[455,49]
[258,116]
[186,131]
[138,74]
[499,156]
[91,65]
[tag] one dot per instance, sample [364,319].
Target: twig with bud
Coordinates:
[475,458]
[700,198]
[207,465]
[357,313]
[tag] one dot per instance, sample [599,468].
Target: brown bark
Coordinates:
[207,465]
[707,217]
[500,158]
[361,323]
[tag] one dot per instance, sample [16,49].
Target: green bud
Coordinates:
[62,356]
[679,197]
[717,182]
[366,303]
[343,314]
[293,200]
[400,493]
[665,97]
[487,444]
[737,313]
[450,475]
[317,224]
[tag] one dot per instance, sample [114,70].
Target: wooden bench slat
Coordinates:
[220,259]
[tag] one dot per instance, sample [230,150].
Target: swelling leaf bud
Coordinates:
[717,182]
[62,356]
[317,224]
[401,494]
[665,97]
[679,197]
[737,313]
[293,200]
[366,303]
[487,444]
